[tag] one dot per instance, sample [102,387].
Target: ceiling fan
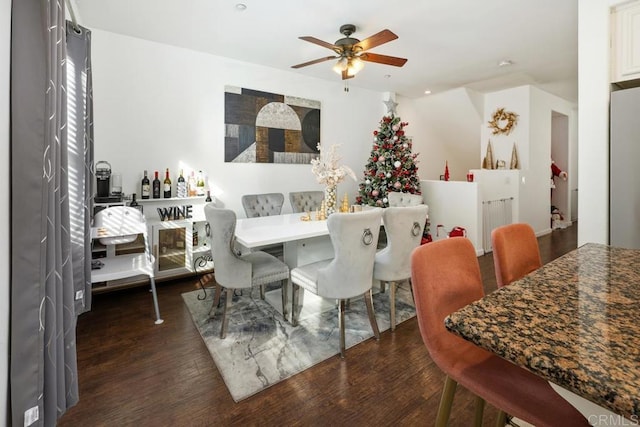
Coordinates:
[351,52]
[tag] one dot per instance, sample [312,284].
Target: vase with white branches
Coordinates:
[328,171]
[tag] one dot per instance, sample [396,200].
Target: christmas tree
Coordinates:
[392,166]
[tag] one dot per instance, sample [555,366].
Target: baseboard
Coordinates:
[544,232]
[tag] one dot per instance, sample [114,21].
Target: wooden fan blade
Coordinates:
[319,42]
[382,37]
[383,59]
[346,76]
[315,61]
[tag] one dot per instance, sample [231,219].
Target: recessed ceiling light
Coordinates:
[386,76]
[241,6]
[427,92]
[505,63]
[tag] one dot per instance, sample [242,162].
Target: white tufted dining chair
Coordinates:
[262,204]
[404,227]
[350,273]
[397,198]
[234,271]
[305,201]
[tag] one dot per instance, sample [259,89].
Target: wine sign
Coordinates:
[173,213]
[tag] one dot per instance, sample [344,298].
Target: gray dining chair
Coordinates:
[262,204]
[397,198]
[306,201]
[233,271]
[266,204]
[350,273]
[404,227]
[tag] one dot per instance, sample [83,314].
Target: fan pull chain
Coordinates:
[346,85]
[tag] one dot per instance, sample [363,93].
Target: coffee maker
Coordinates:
[103,181]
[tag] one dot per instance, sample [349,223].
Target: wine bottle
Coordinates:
[194,236]
[156,187]
[167,185]
[208,199]
[191,185]
[146,186]
[200,184]
[181,186]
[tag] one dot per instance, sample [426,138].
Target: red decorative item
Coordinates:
[446,170]
[455,231]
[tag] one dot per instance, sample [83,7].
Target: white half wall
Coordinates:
[454,204]
[445,128]
[5,185]
[158,106]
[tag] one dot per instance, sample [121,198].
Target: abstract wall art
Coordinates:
[263,127]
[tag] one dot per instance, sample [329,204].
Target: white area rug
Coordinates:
[262,349]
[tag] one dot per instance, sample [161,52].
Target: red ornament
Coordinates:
[375,158]
[446,170]
[375,132]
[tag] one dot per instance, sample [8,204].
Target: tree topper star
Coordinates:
[391,106]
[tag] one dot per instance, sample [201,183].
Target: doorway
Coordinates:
[561,194]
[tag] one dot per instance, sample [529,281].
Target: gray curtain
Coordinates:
[50,258]
[80,152]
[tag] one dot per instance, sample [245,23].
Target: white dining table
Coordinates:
[303,241]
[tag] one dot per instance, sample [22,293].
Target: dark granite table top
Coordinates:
[574,322]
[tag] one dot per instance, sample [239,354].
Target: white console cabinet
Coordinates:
[625,42]
[180,246]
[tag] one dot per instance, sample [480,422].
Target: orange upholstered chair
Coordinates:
[515,252]
[446,277]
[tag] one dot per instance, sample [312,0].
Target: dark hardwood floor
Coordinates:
[132,372]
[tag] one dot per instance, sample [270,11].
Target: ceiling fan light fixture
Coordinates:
[341,65]
[352,53]
[354,66]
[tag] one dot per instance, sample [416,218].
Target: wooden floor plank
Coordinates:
[132,372]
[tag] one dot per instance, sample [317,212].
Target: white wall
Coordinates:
[532,136]
[517,101]
[535,209]
[593,94]
[445,128]
[158,106]
[5,183]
